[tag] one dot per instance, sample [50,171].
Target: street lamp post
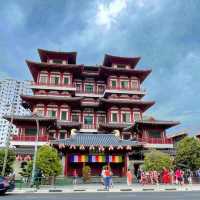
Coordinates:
[7,143]
[35,151]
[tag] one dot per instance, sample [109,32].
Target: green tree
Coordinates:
[157,160]
[86,172]
[10,160]
[188,153]
[48,161]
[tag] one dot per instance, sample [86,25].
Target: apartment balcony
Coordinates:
[122,90]
[51,86]
[29,140]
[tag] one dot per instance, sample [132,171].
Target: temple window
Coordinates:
[40,112]
[64,115]
[57,61]
[88,88]
[75,117]
[78,87]
[126,117]
[134,84]
[55,80]
[101,88]
[66,80]
[137,116]
[51,113]
[101,119]
[121,66]
[30,131]
[113,83]
[124,84]
[154,133]
[114,117]
[43,78]
[88,119]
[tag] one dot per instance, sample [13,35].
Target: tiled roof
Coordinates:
[96,140]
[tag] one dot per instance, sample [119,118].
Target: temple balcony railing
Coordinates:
[51,86]
[89,126]
[152,140]
[94,93]
[124,90]
[30,138]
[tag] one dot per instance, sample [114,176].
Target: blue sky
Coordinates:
[165,33]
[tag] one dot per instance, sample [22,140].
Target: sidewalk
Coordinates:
[116,188]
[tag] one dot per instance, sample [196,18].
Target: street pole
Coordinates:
[7,143]
[35,152]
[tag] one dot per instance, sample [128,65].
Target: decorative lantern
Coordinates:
[110,147]
[120,147]
[82,147]
[128,147]
[72,146]
[101,148]
[92,147]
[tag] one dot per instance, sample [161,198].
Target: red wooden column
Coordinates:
[66,165]
[125,164]
[49,74]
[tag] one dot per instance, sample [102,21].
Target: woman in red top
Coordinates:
[165,176]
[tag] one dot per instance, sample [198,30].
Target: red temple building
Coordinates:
[92,114]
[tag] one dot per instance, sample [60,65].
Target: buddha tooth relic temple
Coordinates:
[93,115]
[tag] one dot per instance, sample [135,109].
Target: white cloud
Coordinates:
[108,13]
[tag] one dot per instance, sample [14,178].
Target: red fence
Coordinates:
[25,138]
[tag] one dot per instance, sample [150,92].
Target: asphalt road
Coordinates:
[107,196]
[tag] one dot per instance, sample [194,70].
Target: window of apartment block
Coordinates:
[75,117]
[134,84]
[88,88]
[137,116]
[124,84]
[55,80]
[51,113]
[114,117]
[88,119]
[113,83]
[126,117]
[66,80]
[101,119]
[64,115]
[43,78]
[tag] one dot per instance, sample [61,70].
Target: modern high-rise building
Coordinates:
[10,91]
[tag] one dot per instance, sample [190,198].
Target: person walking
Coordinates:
[75,176]
[107,178]
[129,176]
[178,176]
[103,176]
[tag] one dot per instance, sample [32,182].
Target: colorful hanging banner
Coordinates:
[96,159]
